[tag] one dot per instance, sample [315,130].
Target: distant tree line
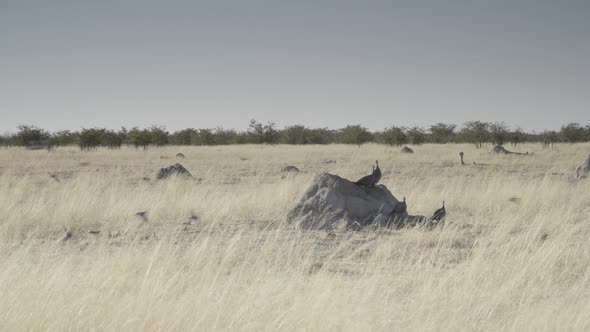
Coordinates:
[474,132]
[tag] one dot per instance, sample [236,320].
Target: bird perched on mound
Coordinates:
[439,214]
[367,180]
[377,172]
[400,207]
[371,179]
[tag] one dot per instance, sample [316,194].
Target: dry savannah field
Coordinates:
[514,253]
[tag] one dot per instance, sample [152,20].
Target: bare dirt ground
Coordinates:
[514,253]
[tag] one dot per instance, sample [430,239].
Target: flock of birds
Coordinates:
[401,207]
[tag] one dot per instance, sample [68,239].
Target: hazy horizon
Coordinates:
[77,65]
[277,126]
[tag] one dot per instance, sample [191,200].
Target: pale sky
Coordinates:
[202,64]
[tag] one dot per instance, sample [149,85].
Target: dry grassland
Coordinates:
[498,264]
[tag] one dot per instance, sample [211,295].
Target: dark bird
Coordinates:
[400,207]
[67,234]
[514,200]
[54,176]
[377,172]
[142,215]
[192,218]
[367,180]
[439,214]
[461,154]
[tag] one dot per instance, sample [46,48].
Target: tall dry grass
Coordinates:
[497,265]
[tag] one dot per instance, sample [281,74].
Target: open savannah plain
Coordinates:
[514,252]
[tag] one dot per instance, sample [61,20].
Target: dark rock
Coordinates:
[174,170]
[501,150]
[290,169]
[406,149]
[332,199]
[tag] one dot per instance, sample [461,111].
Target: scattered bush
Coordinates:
[475,132]
[395,136]
[26,135]
[356,134]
